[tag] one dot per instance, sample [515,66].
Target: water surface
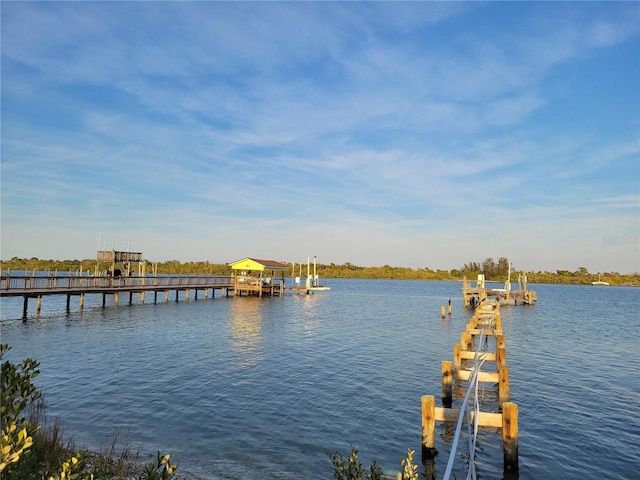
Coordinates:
[238,388]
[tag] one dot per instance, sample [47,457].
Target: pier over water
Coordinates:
[37,286]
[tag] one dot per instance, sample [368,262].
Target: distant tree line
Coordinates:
[494,270]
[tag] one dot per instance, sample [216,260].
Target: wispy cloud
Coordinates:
[366,130]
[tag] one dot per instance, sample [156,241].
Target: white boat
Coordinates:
[599,282]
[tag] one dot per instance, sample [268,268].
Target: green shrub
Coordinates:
[17,393]
[29,453]
[352,469]
[409,469]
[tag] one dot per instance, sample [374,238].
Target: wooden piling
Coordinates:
[464,341]
[501,358]
[38,304]
[442,311]
[428,427]
[81,301]
[503,386]
[457,359]
[447,376]
[510,436]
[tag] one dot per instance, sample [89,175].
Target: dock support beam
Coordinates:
[38,304]
[457,359]
[510,436]
[447,376]
[429,450]
[504,393]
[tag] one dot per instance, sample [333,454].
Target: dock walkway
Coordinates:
[35,286]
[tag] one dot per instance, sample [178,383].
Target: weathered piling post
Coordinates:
[510,436]
[442,311]
[81,301]
[449,306]
[447,377]
[38,304]
[457,359]
[501,358]
[464,340]
[429,450]
[504,393]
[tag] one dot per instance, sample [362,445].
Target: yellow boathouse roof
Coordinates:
[256,265]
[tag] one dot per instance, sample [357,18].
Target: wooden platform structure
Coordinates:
[473,295]
[485,324]
[258,277]
[36,286]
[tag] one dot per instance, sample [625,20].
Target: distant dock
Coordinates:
[474,295]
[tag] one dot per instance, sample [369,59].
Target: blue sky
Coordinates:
[415,134]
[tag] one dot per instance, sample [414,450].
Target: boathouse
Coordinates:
[119,261]
[258,277]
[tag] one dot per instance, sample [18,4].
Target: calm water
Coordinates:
[239,388]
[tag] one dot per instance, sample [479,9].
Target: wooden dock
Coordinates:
[484,327]
[77,285]
[474,294]
[37,286]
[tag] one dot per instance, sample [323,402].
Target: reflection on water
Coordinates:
[308,312]
[246,331]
